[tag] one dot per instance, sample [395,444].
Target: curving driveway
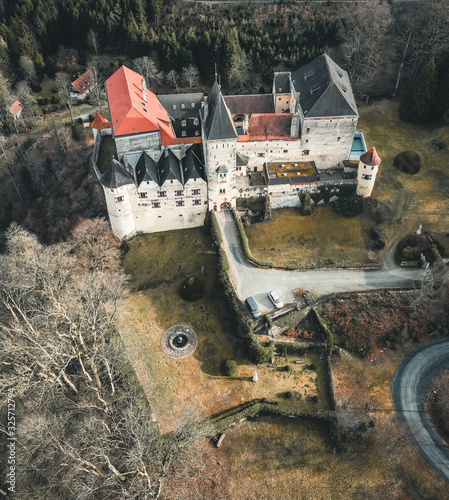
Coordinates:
[412,383]
[249,280]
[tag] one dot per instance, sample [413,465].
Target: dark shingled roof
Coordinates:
[180,100]
[325,89]
[248,104]
[241,160]
[169,168]
[146,169]
[218,123]
[116,176]
[282,83]
[371,158]
[193,163]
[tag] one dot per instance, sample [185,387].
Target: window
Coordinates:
[255,169]
[285,150]
[179,192]
[183,133]
[196,192]
[196,121]
[180,203]
[372,168]
[143,195]
[183,123]
[119,199]
[338,138]
[156,204]
[161,194]
[222,191]
[196,202]
[305,152]
[183,106]
[261,155]
[112,190]
[307,140]
[192,104]
[197,132]
[174,106]
[367,177]
[308,129]
[222,177]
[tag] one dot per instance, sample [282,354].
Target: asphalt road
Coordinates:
[412,383]
[249,280]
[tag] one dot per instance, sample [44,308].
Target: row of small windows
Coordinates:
[216,146]
[183,106]
[163,194]
[148,182]
[178,203]
[184,133]
[184,122]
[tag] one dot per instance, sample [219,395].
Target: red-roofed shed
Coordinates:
[16,109]
[135,109]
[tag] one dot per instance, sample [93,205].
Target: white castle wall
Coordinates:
[137,143]
[328,141]
[120,212]
[272,151]
[366,177]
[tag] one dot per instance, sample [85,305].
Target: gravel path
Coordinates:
[412,383]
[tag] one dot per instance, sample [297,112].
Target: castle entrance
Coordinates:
[225,206]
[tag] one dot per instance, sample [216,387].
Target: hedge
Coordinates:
[245,244]
[215,230]
[307,204]
[285,409]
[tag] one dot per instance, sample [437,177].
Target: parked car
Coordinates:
[253,307]
[274,297]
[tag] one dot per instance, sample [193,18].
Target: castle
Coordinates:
[177,156]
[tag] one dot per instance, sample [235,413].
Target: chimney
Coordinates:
[144,90]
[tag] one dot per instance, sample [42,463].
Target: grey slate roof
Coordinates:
[169,168]
[248,104]
[281,83]
[146,169]
[193,163]
[116,176]
[218,123]
[325,89]
[191,103]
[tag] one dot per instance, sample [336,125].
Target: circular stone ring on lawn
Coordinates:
[179,341]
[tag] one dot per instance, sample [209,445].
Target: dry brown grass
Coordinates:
[322,239]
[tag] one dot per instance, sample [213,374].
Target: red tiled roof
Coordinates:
[130,113]
[84,82]
[267,127]
[370,158]
[100,122]
[15,108]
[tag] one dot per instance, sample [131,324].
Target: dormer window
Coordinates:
[183,123]
[183,106]
[184,133]
[174,106]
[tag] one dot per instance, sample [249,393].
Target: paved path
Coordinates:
[250,280]
[412,383]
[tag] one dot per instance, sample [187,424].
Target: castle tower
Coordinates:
[367,171]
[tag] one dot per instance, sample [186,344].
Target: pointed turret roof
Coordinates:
[100,122]
[324,89]
[116,176]
[371,158]
[218,123]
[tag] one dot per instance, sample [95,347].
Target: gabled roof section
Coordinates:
[100,122]
[135,109]
[281,83]
[84,82]
[182,105]
[248,104]
[193,163]
[325,89]
[371,158]
[218,123]
[266,127]
[116,176]
[15,108]
[146,169]
[169,167]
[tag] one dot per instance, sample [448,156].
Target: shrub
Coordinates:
[349,206]
[307,204]
[77,131]
[287,368]
[43,101]
[35,87]
[407,253]
[288,395]
[379,244]
[314,399]
[408,162]
[192,288]
[229,367]
[55,100]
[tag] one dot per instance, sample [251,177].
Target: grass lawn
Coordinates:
[270,459]
[430,207]
[196,380]
[322,239]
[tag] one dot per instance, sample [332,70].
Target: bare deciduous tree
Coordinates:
[27,68]
[93,41]
[172,79]
[148,69]
[190,76]
[64,86]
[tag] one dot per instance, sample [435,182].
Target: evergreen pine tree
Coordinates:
[418,104]
[441,107]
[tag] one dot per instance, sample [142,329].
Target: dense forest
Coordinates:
[374,41]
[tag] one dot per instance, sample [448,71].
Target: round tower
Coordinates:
[366,173]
